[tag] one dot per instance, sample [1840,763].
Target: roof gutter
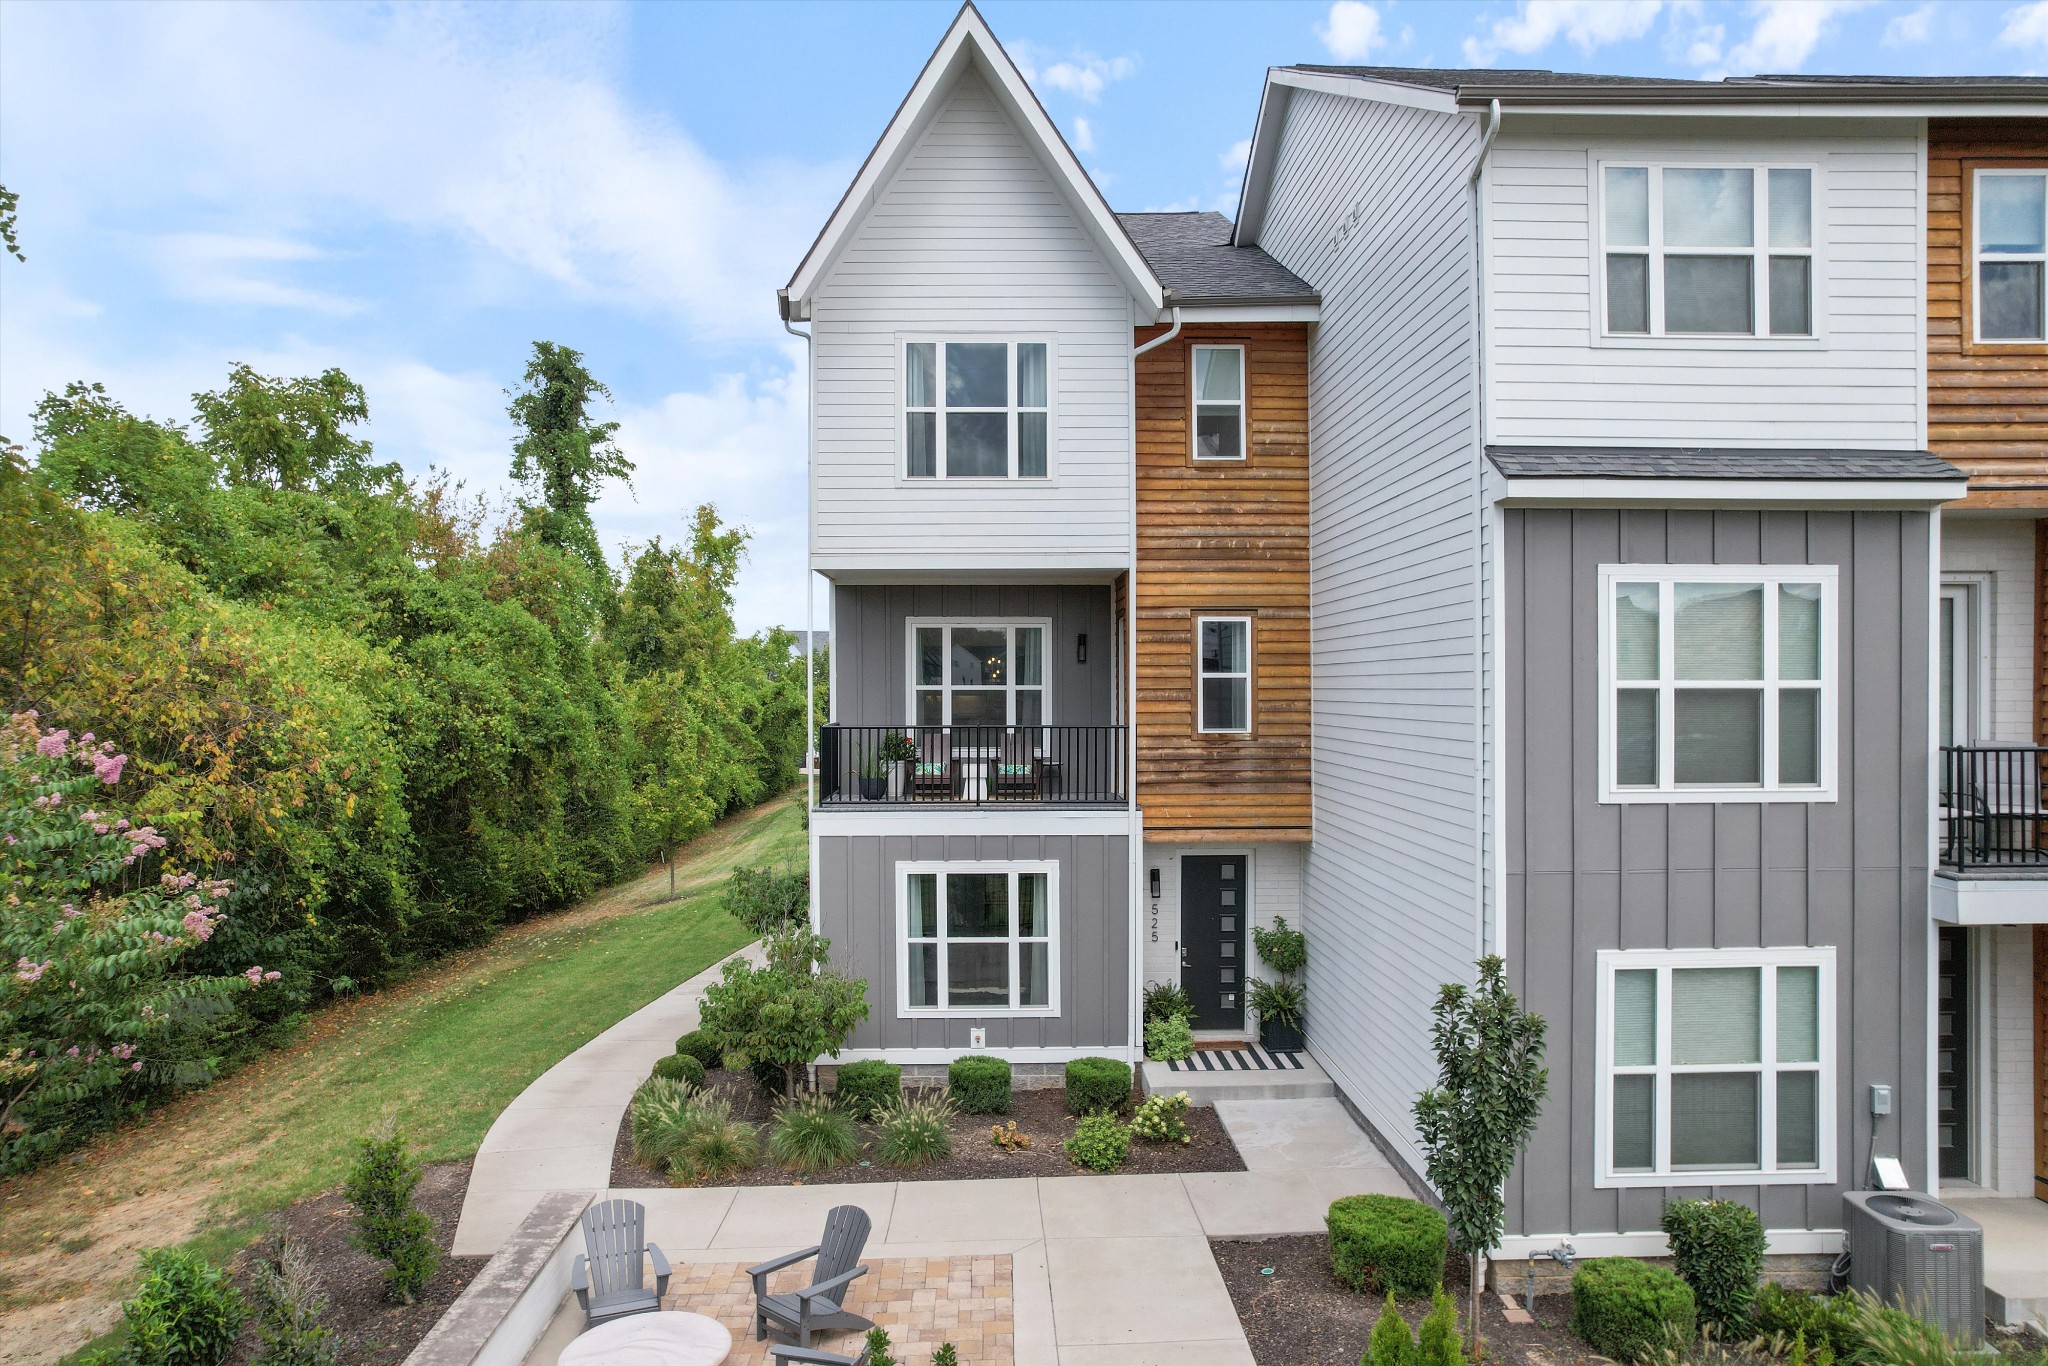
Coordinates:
[1536,96]
[1162,339]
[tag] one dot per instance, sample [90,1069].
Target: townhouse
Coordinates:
[1517,533]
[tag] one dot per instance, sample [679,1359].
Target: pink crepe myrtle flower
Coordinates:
[199,923]
[135,1066]
[257,976]
[31,972]
[52,746]
[107,767]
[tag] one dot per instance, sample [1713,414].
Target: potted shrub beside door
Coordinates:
[1282,1004]
[897,752]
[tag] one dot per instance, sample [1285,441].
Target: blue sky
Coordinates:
[415,193]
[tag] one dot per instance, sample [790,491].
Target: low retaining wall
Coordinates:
[498,1319]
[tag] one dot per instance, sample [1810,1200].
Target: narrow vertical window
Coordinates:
[1031,413]
[1628,226]
[1791,251]
[2011,246]
[1224,674]
[1219,402]
[920,410]
[977,410]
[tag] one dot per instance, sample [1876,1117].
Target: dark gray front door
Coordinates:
[1212,939]
[1952,1052]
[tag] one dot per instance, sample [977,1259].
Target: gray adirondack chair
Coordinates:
[787,1354]
[610,1276]
[818,1307]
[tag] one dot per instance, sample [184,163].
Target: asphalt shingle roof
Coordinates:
[1714,462]
[1195,261]
[1455,79]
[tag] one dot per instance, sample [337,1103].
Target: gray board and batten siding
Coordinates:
[1369,204]
[870,682]
[1582,876]
[856,899]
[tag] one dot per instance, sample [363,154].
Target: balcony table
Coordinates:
[670,1338]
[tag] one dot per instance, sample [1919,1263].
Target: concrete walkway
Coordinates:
[558,1134]
[2015,1256]
[1107,1270]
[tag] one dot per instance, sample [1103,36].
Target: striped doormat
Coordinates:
[1250,1058]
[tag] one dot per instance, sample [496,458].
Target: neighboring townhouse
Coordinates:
[1987,412]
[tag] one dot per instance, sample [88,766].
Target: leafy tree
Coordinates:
[10,230]
[563,457]
[1476,1121]
[389,1226]
[786,1012]
[290,433]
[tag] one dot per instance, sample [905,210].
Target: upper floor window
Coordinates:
[1715,1064]
[2010,241]
[1717,683]
[1219,402]
[977,674]
[975,409]
[1708,250]
[1224,668]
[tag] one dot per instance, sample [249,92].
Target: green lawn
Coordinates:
[443,1053]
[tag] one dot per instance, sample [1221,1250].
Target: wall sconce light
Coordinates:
[1155,884]
[1081,649]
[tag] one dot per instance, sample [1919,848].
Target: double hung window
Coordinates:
[1716,1062]
[977,673]
[1708,250]
[979,939]
[1219,402]
[1223,665]
[2010,241]
[1717,682]
[976,409]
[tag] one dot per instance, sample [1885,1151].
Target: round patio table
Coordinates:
[664,1339]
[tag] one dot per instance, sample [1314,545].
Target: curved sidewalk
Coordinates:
[558,1133]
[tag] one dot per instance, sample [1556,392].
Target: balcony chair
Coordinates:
[609,1277]
[937,775]
[818,1307]
[1015,773]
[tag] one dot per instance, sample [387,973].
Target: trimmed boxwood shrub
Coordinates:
[694,1044]
[1383,1242]
[1095,1084]
[979,1085]
[1717,1247]
[680,1067]
[1630,1310]
[867,1086]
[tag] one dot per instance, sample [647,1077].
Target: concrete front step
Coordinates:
[1309,1082]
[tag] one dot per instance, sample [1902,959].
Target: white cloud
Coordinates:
[1236,156]
[1081,74]
[1786,33]
[1084,135]
[1909,29]
[2026,26]
[1586,24]
[226,268]
[1351,31]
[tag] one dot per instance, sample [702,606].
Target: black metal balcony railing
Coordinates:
[972,765]
[1991,809]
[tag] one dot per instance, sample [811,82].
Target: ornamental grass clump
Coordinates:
[1100,1143]
[288,1309]
[1387,1243]
[915,1131]
[1095,1084]
[389,1226]
[657,1118]
[186,1312]
[1631,1310]
[1163,1119]
[714,1145]
[812,1134]
[1717,1246]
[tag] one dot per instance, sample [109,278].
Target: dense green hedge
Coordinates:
[867,1086]
[1095,1084]
[979,1085]
[1631,1310]
[1384,1242]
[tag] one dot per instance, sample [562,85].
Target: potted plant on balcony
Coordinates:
[874,782]
[897,752]
[1281,1004]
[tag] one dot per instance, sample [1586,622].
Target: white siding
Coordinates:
[2006,960]
[1552,380]
[1276,891]
[1369,205]
[2001,548]
[971,236]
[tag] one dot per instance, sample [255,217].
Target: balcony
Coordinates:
[972,766]
[1991,836]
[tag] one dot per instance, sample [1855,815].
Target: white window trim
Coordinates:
[1978,256]
[1244,393]
[903,409]
[1250,694]
[1051,869]
[1770,575]
[1760,251]
[1010,624]
[1611,961]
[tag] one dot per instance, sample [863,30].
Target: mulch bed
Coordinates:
[1298,1314]
[368,1331]
[1041,1114]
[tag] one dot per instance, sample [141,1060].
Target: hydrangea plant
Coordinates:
[90,943]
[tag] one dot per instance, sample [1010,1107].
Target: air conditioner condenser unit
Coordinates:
[1919,1254]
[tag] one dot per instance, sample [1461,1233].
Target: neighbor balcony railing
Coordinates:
[1991,813]
[972,765]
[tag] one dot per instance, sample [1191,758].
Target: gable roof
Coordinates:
[1195,259]
[969,44]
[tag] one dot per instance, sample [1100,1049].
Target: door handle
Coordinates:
[1184,956]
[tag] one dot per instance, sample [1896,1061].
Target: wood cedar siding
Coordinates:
[1987,405]
[1224,538]
[1582,876]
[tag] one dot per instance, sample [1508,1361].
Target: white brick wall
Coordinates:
[2006,959]
[1276,890]
[2003,549]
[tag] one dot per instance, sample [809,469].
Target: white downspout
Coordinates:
[1486,931]
[810,592]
